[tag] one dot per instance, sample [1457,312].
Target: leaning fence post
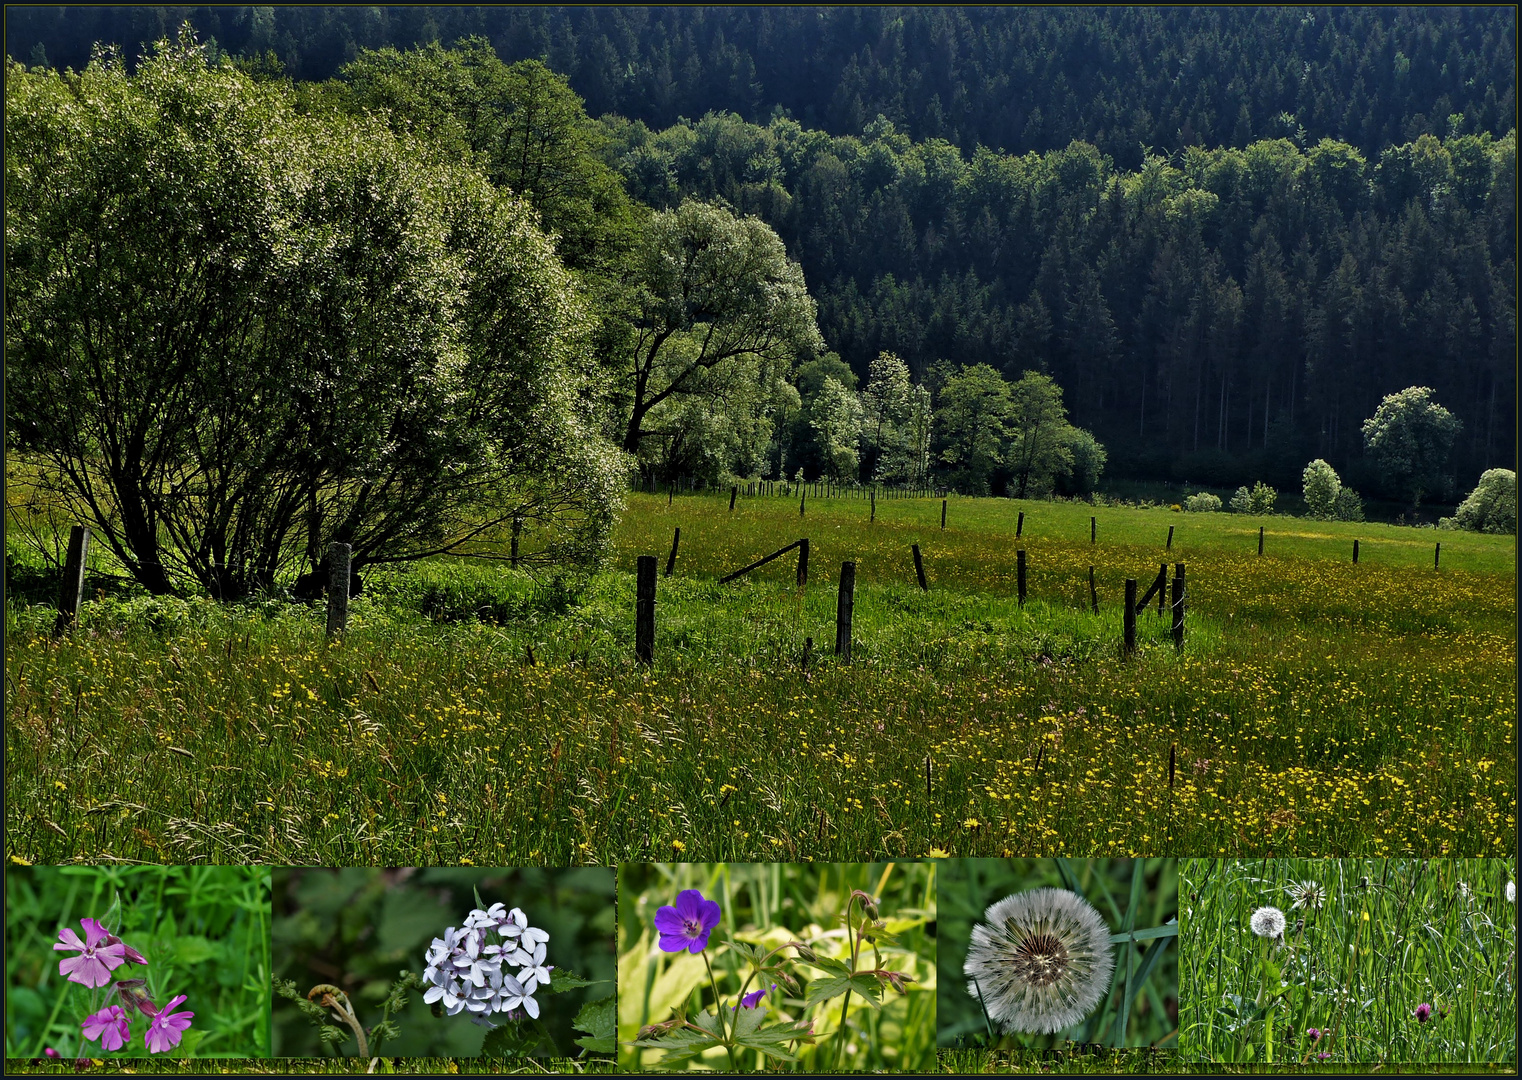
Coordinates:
[919,567]
[1129,620]
[943,513]
[676,538]
[1020,525]
[1178,605]
[644,610]
[1437,553]
[338,588]
[1170,537]
[1020,574]
[845,602]
[803,563]
[73,589]
[1162,588]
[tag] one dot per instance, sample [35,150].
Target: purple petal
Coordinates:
[94,932]
[674,942]
[708,912]
[667,921]
[68,939]
[688,903]
[699,943]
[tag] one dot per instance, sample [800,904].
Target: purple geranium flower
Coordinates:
[750,1000]
[166,1028]
[1423,1012]
[688,924]
[97,958]
[107,1027]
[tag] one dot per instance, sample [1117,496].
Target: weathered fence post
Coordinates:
[644,610]
[1129,620]
[1093,593]
[1162,588]
[1170,537]
[1093,529]
[1020,525]
[1020,574]
[517,531]
[1437,553]
[338,588]
[72,591]
[803,495]
[845,603]
[1178,605]
[1260,539]
[1355,552]
[919,567]
[732,493]
[676,538]
[803,563]
[943,513]
[874,506]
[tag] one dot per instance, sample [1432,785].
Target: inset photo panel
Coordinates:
[794,967]
[1039,956]
[1399,961]
[114,963]
[510,964]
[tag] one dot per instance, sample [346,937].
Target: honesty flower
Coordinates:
[464,967]
[166,1028]
[1041,963]
[688,924]
[107,1027]
[534,974]
[97,958]
[1267,922]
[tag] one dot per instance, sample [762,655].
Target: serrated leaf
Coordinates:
[868,987]
[752,953]
[561,981]
[825,988]
[824,963]
[508,1041]
[870,933]
[599,1019]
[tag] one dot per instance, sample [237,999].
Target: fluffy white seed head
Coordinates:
[1511,892]
[1267,922]
[1041,962]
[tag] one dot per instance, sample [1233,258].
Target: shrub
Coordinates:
[1203,502]
[1491,507]
[1321,485]
[1349,507]
[1257,500]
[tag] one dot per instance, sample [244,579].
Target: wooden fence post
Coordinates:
[1162,589]
[803,495]
[676,538]
[732,493]
[1437,553]
[919,567]
[1020,525]
[943,514]
[1129,620]
[338,588]
[803,563]
[72,592]
[1170,537]
[1020,574]
[1260,539]
[845,603]
[874,506]
[1178,606]
[1355,552]
[644,611]
[1093,593]
[1093,529]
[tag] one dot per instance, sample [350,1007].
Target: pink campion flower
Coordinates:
[107,1027]
[133,996]
[166,1028]
[97,957]
[132,955]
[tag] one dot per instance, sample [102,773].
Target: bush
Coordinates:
[1203,503]
[1321,485]
[1491,507]
[1349,507]
[1257,500]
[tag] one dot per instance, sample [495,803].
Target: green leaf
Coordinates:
[508,1041]
[188,1043]
[599,1019]
[824,963]
[825,988]
[869,987]
[193,950]
[1150,934]
[561,981]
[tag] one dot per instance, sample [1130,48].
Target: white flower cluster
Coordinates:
[469,968]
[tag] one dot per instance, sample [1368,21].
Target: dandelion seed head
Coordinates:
[1267,922]
[1306,894]
[1511,892]
[1040,962]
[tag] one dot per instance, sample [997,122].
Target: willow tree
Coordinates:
[235,334]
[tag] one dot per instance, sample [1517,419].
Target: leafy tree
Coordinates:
[1349,506]
[1410,437]
[885,407]
[1042,447]
[1491,507]
[974,420]
[1202,502]
[712,290]
[1258,499]
[1320,485]
[1089,458]
[235,334]
[836,417]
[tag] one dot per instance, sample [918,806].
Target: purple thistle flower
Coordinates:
[1315,1034]
[166,1028]
[688,924]
[97,956]
[1423,1013]
[107,1027]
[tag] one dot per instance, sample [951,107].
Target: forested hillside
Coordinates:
[1225,233]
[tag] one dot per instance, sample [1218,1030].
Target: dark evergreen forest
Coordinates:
[1227,233]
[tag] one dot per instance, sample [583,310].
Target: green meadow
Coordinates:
[477,714]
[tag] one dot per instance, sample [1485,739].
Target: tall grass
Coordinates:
[1377,939]
[1316,706]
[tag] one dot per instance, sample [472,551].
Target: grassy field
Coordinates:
[1317,707]
[1379,961]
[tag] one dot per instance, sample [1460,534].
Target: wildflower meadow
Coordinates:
[1290,962]
[473,712]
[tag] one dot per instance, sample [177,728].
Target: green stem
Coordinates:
[718,1008]
[845,1002]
